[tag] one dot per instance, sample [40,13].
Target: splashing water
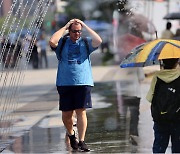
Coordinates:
[12,73]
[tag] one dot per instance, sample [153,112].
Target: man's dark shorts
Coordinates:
[74,97]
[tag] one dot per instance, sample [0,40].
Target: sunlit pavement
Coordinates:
[39,128]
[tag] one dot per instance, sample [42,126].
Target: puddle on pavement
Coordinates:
[111,122]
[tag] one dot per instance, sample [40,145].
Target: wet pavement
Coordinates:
[110,125]
[117,123]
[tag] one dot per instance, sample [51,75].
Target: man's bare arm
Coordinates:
[57,35]
[96,39]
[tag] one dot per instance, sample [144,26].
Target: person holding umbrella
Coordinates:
[165,127]
[164,92]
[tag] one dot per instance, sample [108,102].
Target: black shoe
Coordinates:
[73,141]
[83,147]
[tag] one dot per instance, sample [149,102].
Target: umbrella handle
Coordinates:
[156,34]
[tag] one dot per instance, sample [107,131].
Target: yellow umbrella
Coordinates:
[151,52]
[143,55]
[169,51]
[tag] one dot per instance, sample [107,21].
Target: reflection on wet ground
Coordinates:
[109,128]
[112,126]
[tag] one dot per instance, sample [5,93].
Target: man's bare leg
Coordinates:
[82,126]
[68,122]
[67,118]
[81,123]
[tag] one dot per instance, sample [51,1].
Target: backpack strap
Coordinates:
[86,44]
[64,41]
[62,45]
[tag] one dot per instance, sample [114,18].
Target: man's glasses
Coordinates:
[76,31]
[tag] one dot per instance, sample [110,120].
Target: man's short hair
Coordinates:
[76,23]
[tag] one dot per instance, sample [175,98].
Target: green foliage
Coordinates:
[2,21]
[107,56]
[73,9]
[106,7]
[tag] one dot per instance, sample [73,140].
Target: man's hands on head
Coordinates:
[96,39]
[72,21]
[79,21]
[69,23]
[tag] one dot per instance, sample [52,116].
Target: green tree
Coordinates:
[75,8]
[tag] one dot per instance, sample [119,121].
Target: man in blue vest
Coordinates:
[74,77]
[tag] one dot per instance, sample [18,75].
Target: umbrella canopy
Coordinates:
[142,23]
[126,42]
[172,16]
[151,52]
